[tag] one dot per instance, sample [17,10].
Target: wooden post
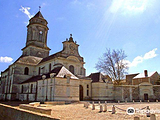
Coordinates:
[87,104]
[93,106]
[105,108]
[101,108]
[113,110]
[99,102]
[148,112]
[153,117]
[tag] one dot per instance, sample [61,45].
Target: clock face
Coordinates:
[71,47]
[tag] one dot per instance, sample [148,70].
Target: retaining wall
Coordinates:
[11,113]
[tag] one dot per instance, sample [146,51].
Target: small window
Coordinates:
[87,86]
[26,71]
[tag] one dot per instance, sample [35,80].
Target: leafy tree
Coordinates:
[113,63]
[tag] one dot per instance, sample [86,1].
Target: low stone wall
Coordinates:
[36,109]
[55,103]
[11,113]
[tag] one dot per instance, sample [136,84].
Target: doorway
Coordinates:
[80,92]
[145,96]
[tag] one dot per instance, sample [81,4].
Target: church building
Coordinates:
[38,76]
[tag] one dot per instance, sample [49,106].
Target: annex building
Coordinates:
[38,76]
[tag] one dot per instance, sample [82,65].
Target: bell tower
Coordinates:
[36,43]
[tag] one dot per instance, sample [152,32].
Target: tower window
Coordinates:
[40,35]
[26,71]
[40,32]
[87,86]
[71,69]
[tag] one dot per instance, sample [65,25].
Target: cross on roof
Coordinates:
[39,8]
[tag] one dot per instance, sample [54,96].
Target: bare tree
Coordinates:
[113,64]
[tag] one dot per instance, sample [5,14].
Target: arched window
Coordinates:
[26,71]
[71,69]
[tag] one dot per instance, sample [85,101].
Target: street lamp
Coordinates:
[44,77]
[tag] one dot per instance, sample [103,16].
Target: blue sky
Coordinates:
[131,25]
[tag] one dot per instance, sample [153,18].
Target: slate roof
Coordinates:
[60,72]
[49,57]
[38,15]
[97,77]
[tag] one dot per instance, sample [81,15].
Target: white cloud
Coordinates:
[129,6]
[25,10]
[6,59]
[150,54]
[140,59]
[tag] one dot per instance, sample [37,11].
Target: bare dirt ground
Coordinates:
[79,112]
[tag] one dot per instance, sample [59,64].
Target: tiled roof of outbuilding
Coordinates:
[97,77]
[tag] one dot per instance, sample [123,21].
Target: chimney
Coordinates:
[145,73]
